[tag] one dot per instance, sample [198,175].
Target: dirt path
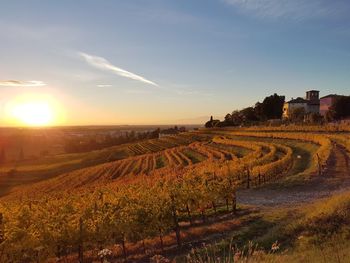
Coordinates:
[335,179]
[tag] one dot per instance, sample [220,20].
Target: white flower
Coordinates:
[104,253]
[275,246]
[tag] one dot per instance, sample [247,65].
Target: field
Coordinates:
[30,171]
[162,196]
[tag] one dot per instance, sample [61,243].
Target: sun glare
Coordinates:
[35,113]
[34,109]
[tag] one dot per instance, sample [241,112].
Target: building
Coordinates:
[326,102]
[311,104]
[293,104]
[313,98]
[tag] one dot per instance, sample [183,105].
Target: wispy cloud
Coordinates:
[143,91]
[290,9]
[20,83]
[104,64]
[104,85]
[186,92]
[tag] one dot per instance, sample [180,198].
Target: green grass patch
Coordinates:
[194,156]
[160,161]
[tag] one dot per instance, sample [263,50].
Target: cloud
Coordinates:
[19,83]
[104,64]
[137,91]
[187,92]
[104,85]
[290,9]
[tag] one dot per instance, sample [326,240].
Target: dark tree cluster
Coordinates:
[340,109]
[2,155]
[75,145]
[212,123]
[173,130]
[270,108]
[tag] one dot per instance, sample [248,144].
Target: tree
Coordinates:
[21,154]
[340,109]
[272,107]
[297,114]
[228,118]
[237,117]
[2,155]
[315,118]
[248,114]
[258,108]
[212,123]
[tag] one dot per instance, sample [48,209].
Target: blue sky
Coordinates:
[153,61]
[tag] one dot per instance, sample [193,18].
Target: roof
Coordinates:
[298,100]
[313,90]
[330,96]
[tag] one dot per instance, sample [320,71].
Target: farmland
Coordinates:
[30,171]
[156,192]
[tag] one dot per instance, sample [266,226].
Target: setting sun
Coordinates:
[33,113]
[34,109]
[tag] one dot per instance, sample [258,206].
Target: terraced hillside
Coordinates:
[163,186]
[17,174]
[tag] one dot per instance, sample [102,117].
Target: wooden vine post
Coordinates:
[80,248]
[2,234]
[234,202]
[189,214]
[161,239]
[248,178]
[125,253]
[319,165]
[176,222]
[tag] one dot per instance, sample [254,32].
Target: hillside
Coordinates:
[28,172]
[193,184]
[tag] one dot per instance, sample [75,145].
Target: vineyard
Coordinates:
[153,192]
[13,174]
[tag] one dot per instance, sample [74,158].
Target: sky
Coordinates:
[165,62]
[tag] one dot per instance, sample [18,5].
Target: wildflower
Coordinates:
[275,246]
[104,254]
[159,259]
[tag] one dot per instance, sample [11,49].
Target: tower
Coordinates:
[313,95]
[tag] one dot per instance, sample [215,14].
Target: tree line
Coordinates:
[74,145]
[90,143]
[270,108]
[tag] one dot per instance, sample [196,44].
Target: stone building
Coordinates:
[311,104]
